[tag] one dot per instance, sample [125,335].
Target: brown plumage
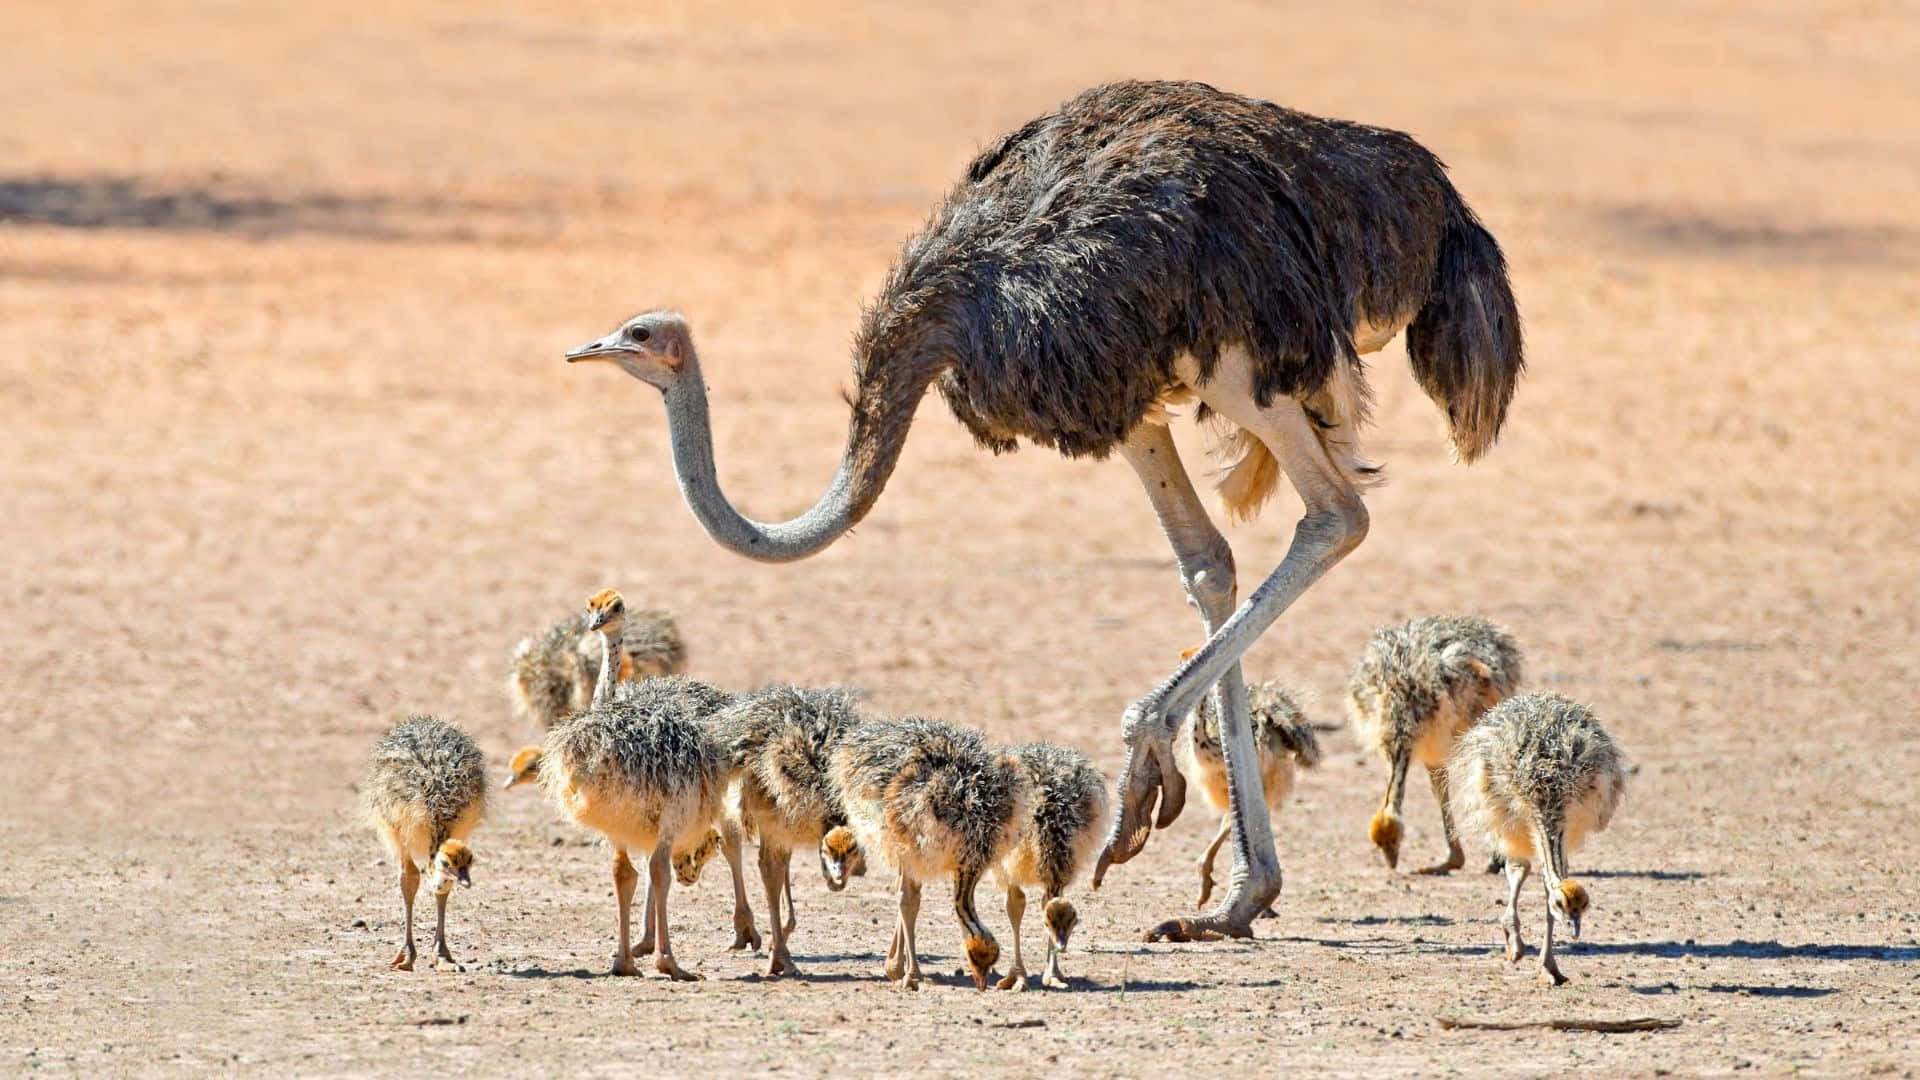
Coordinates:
[930,799]
[781,741]
[1066,809]
[641,768]
[426,789]
[1283,740]
[1536,776]
[1416,687]
[553,673]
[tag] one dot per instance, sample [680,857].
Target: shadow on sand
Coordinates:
[224,205]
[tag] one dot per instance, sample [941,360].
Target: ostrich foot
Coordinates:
[911,981]
[1246,898]
[624,965]
[1148,779]
[745,934]
[448,965]
[402,960]
[1515,950]
[645,948]
[664,965]
[1055,979]
[1456,859]
[1550,976]
[782,965]
[1016,980]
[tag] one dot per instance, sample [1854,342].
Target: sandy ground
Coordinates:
[289,451]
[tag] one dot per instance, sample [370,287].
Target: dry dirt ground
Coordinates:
[289,450]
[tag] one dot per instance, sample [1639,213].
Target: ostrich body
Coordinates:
[1536,776]
[931,800]
[1066,809]
[426,790]
[1282,738]
[1151,243]
[552,674]
[640,767]
[1416,687]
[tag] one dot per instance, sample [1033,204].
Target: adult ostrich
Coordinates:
[1148,244]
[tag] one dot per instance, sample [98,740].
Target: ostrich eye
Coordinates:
[639,333]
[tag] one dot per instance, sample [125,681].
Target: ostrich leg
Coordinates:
[1206,568]
[1335,523]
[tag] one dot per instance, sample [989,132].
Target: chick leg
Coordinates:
[1016,907]
[1207,857]
[409,884]
[909,914]
[1456,856]
[625,879]
[660,874]
[440,928]
[1517,870]
[773,877]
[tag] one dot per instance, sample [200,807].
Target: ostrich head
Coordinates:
[654,347]
[688,864]
[453,862]
[1385,833]
[605,611]
[1060,918]
[1567,903]
[524,767]
[841,857]
[982,953]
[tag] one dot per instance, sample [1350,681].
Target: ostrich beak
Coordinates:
[596,350]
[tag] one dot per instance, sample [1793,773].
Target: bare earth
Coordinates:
[289,451]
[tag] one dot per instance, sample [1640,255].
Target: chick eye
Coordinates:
[639,333]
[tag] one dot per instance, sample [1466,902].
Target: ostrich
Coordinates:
[1147,244]
[1415,688]
[426,789]
[641,767]
[552,675]
[1066,800]
[782,740]
[1536,776]
[931,799]
[1283,739]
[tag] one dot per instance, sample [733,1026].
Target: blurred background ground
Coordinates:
[289,451]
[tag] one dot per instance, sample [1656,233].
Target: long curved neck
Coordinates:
[609,666]
[877,431]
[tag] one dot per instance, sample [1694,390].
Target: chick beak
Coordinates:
[1573,927]
[466,882]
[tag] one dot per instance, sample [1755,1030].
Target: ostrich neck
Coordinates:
[876,433]
[609,666]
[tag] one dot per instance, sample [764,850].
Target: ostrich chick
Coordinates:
[781,741]
[553,674]
[1066,811]
[1281,737]
[1536,776]
[930,799]
[641,768]
[1415,689]
[426,790]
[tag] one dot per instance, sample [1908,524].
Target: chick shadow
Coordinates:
[1747,990]
[1747,950]
[1647,875]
